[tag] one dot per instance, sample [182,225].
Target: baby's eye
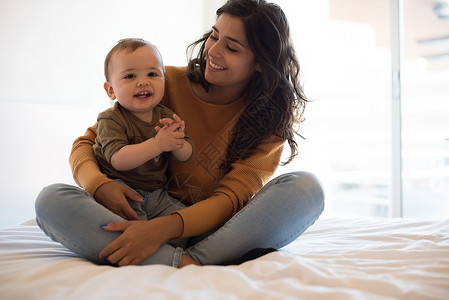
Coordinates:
[129,76]
[153,74]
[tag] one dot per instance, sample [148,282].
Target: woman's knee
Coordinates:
[305,187]
[53,196]
[45,198]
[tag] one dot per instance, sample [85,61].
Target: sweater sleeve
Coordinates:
[85,170]
[238,186]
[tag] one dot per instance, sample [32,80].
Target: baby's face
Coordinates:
[136,79]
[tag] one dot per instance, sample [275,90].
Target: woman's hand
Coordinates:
[140,239]
[137,242]
[114,195]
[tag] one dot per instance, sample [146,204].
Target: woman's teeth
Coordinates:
[216,66]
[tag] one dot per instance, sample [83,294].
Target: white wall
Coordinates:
[51,79]
[56,48]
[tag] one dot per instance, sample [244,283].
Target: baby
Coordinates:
[135,136]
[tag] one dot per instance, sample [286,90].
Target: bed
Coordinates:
[336,258]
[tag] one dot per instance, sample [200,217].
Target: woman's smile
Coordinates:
[215,66]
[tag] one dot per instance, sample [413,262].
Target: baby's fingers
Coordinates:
[183,126]
[176,118]
[166,121]
[179,135]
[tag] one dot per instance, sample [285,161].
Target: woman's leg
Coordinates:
[72,217]
[278,214]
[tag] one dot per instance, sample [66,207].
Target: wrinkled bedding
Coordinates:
[336,258]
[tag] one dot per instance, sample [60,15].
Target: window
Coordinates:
[425,94]
[345,52]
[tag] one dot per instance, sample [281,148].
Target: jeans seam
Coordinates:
[177,257]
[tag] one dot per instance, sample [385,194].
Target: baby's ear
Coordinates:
[109,90]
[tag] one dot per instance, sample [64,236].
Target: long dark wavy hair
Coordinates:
[277,100]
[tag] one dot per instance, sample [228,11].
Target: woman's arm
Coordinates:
[85,170]
[235,189]
[87,174]
[141,239]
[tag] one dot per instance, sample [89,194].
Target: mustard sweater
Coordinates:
[212,195]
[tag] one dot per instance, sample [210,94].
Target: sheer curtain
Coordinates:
[345,52]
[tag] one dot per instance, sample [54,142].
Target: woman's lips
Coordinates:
[215,66]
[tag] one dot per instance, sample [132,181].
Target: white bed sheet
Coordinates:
[337,258]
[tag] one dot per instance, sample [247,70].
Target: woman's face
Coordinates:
[229,60]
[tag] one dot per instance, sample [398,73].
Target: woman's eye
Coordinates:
[214,38]
[231,49]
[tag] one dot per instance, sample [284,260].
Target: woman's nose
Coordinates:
[215,50]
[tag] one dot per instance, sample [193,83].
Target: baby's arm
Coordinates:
[132,156]
[183,153]
[167,139]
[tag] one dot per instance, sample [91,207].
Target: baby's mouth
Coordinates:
[143,95]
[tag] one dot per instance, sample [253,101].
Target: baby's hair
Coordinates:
[129,45]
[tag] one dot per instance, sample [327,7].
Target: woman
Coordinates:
[240,98]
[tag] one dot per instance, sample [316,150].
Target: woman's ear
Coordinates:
[258,68]
[109,90]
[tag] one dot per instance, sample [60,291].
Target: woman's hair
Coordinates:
[277,100]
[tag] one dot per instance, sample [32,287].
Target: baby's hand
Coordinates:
[169,138]
[167,122]
[178,120]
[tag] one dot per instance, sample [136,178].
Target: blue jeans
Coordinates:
[278,214]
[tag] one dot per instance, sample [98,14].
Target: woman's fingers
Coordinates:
[116,244]
[113,195]
[122,256]
[116,226]
[136,243]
